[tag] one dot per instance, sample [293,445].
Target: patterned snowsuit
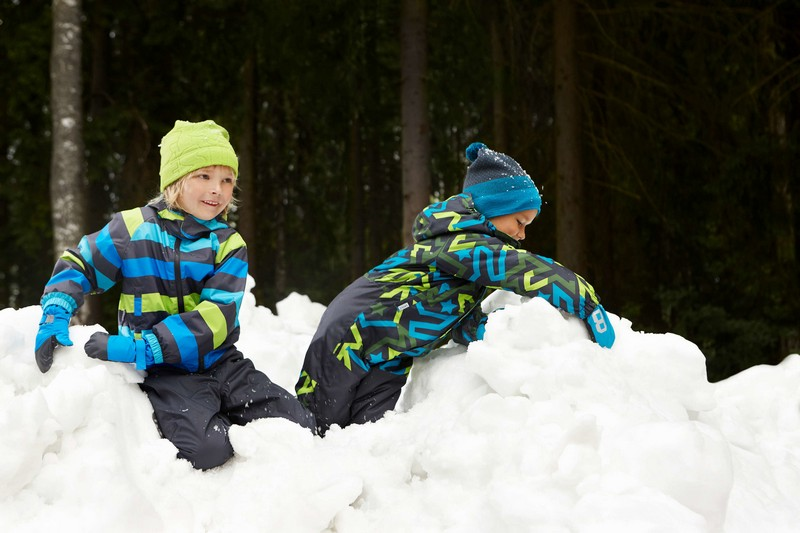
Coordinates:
[182,280]
[368,337]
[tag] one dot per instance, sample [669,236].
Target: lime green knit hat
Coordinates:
[192,145]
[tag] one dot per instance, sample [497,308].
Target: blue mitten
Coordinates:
[119,348]
[600,327]
[53,330]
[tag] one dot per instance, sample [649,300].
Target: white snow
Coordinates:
[533,429]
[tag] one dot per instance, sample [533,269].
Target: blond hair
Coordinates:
[171,194]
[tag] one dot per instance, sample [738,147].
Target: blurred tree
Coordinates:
[68,190]
[499,89]
[678,126]
[570,196]
[67,176]
[25,42]
[248,169]
[688,138]
[415,143]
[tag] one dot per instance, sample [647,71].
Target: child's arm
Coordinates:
[91,268]
[491,263]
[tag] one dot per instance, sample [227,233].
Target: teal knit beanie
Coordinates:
[498,184]
[192,145]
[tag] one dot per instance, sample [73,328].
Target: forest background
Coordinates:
[662,134]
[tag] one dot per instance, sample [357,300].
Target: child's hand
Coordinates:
[600,328]
[118,348]
[53,330]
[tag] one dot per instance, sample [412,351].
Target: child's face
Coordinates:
[207,191]
[514,224]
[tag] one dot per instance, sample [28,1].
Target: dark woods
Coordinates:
[687,117]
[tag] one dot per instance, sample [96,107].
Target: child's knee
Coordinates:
[208,453]
[298,412]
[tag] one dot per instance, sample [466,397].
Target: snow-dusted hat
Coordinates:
[498,184]
[192,145]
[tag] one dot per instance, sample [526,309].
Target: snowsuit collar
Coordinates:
[185,226]
[457,214]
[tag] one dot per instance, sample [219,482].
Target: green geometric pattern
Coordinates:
[426,290]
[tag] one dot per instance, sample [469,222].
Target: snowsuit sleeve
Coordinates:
[489,262]
[471,328]
[92,268]
[190,337]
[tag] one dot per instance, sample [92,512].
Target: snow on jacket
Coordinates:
[183,280]
[420,296]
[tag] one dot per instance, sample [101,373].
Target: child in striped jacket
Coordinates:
[183,271]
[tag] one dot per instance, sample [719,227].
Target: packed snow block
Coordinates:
[29,432]
[299,313]
[758,412]
[689,462]
[535,350]
[276,343]
[534,428]
[520,344]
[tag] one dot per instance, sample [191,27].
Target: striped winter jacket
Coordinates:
[183,280]
[424,294]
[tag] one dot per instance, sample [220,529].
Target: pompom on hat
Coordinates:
[192,145]
[498,184]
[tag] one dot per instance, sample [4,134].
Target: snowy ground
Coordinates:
[533,429]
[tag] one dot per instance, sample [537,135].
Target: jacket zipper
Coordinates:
[178,280]
[179,294]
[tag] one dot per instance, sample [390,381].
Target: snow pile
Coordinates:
[533,429]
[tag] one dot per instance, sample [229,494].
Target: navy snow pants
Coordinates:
[194,411]
[345,397]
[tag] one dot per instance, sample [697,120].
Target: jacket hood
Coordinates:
[455,215]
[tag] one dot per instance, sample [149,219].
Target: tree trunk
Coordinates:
[137,183]
[355,199]
[498,89]
[415,123]
[67,171]
[783,213]
[247,161]
[281,182]
[374,201]
[783,208]
[781,188]
[97,194]
[67,167]
[570,228]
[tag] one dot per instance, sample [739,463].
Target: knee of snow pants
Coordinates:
[327,388]
[210,451]
[377,393]
[187,410]
[194,411]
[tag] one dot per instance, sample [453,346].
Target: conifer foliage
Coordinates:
[687,140]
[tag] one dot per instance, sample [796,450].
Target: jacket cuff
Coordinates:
[59,299]
[155,348]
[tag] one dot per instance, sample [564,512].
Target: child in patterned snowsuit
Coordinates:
[465,248]
[183,271]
